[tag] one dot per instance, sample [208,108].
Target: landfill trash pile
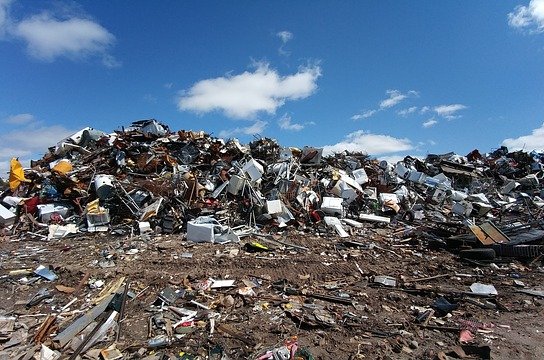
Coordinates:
[149,243]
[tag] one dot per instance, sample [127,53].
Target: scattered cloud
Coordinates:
[285,36]
[19,119]
[285,124]
[408,111]
[49,36]
[245,95]
[534,141]
[152,99]
[530,17]
[257,128]
[364,115]
[395,97]
[374,144]
[4,17]
[432,142]
[110,62]
[424,110]
[168,85]
[31,140]
[449,111]
[429,123]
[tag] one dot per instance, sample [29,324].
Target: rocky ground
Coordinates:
[320,289]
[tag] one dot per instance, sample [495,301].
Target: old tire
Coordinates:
[478,254]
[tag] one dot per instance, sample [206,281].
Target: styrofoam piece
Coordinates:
[353,223]
[374,218]
[336,225]
[216,284]
[483,289]
[332,206]
[273,207]
[6,216]
[344,191]
[350,181]
[144,227]
[60,231]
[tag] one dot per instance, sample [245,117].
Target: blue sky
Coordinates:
[387,77]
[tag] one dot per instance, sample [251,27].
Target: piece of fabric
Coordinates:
[16,174]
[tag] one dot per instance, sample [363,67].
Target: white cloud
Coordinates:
[33,140]
[19,119]
[286,124]
[245,95]
[424,110]
[257,128]
[529,17]
[374,144]
[534,141]
[364,115]
[49,36]
[35,137]
[285,36]
[152,99]
[449,111]
[395,97]
[4,17]
[432,142]
[110,62]
[408,111]
[429,123]
[168,85]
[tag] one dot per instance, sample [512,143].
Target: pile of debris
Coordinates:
[146,182]
[147,179]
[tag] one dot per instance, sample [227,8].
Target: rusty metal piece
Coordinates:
[45,329]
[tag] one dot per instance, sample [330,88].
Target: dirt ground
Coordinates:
[313,291]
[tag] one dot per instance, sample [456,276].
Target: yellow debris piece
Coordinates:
[16,174]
